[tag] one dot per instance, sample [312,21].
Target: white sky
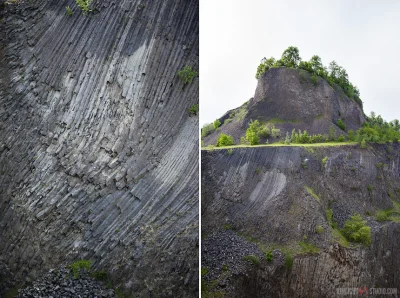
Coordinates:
[362,36]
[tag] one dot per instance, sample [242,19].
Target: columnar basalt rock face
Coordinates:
[261,195]
[287,99]
[98,151]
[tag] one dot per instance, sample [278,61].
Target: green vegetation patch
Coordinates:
[312,193]
[323,161]
[194,109]
[187,74]
[269,256]
[224,140]
[77,266]
[207,129]
[69,11]
[307,247]
[356,230]
[84,5]
[335,74]
[252,259]
[388,215]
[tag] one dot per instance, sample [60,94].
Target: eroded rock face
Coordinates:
[261,195]
[97,146]
[287,99]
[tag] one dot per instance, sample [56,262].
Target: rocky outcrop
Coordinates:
[287,98]
[277,197]
[97,145]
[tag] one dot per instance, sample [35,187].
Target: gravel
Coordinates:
[61,283]
[227,249]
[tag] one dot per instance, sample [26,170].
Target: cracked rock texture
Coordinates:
[287,99]
[260,195]
[98,151]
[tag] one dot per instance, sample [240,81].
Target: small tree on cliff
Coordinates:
[291,57]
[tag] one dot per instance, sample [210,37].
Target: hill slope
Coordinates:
[278,200]
[287,98]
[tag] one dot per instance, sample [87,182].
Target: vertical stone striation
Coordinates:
[98,151]
[276,197]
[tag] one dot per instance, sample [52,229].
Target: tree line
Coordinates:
[334,74]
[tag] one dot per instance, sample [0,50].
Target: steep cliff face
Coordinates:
[97,146]
[256,200]
[287,98]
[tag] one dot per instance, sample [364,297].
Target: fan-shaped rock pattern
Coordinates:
[274,198]
[98,150]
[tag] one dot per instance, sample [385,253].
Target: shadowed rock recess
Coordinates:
[273,200]
[288,99]
[98,151]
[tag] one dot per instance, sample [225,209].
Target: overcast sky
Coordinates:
[362,36]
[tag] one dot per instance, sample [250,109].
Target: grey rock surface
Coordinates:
[260,195]
[62,283]
[98,150]
[287,99]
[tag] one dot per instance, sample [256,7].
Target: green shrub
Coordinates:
[275,132]
[252,259]
[269,256]
[243,141]
[194,110]
[351,136]
[288,140]
[217,124]
[69,11]
[356,230]
[187,74]
[77,266]
[252,137]
[341,138]
[314,80]
[230,151]
[207,129]
[84,5]
[363,144]
[224,140]
[341,125]
[263,132]
[387,215]
[319,229]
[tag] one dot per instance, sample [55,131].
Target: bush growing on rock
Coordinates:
[84,5]
[187,74]
[194,110]
[336,75]
[341,124]
[217,124]
[356,230]
[224,140]
[80,265]
[207,129]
